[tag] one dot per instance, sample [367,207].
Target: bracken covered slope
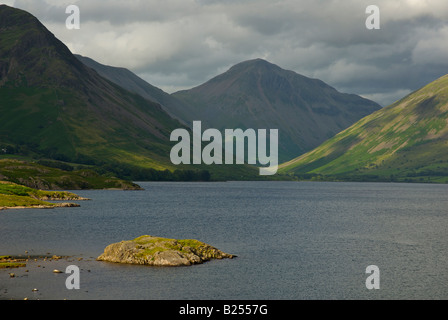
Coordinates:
[406,141]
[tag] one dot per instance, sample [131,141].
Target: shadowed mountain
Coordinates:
[406,141]
[131,82]
[260,95]
[54,106]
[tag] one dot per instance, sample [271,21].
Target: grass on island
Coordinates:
[159,244]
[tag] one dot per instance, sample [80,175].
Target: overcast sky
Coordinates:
[179,44]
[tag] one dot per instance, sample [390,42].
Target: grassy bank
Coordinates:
[53,175]
[13,195]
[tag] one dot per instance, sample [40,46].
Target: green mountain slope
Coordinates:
[259,95]
[53,105]
[406,141]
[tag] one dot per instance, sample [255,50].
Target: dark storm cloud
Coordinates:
[176,44]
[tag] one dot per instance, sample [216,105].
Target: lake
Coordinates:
[294,241]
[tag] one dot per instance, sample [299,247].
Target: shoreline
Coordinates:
[56,205]
[43,277]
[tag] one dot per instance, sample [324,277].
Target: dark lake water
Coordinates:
[294,240]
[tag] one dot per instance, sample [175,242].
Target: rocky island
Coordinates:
[156,251]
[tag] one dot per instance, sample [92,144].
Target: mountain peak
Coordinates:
[31,54]
[254,62]
[257,64]
[10,17]
[52,105]
[260,95]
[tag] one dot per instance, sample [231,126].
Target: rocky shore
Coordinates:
[163,252]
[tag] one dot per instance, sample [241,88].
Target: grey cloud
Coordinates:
[181,43]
